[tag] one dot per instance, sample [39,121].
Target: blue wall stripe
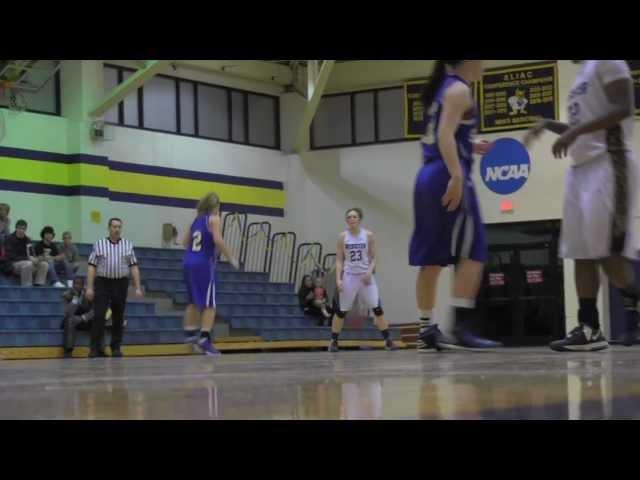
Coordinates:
[81,190]
[31,187]
[152,200]
[47,189]
[88,159]
[33,155]
[53,157]
[193,175]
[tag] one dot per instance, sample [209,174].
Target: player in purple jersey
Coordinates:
[448,227]
[201,242]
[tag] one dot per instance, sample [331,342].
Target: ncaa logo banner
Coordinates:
[505,169]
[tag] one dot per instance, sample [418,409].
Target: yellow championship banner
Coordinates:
[414,118]
[514,98]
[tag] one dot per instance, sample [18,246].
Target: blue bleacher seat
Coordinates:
[31,316]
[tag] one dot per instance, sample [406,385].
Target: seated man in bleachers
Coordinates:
[70,251]
[47,251]
[78,314]
[22,259]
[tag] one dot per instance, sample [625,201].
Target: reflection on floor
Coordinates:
[528,383]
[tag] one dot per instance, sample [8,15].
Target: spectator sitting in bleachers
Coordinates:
[305,293]
[170,236]
[174,238]
[5,224]
[78,314]
[313,299]
[47,251]
[321,299]
[21,256]
[5,231]
[70,251]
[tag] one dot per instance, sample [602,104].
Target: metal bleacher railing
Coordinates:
[308,258]
[281,253]
[234,230]
[255,247]
[278,254]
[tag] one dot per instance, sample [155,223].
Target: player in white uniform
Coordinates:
[600,194]
[355,263]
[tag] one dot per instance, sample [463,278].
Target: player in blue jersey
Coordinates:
[448,227]
[202,240]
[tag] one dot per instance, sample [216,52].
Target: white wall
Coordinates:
[322,186]
[175,151]
[34,131]
[186,153]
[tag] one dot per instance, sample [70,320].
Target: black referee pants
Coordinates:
[109,292]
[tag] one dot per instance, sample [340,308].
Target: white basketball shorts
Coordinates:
[352,286]
[600,206]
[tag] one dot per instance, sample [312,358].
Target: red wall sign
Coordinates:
[534,276]
[496,279]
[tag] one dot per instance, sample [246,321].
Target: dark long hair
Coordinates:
[437,77]
[304,291]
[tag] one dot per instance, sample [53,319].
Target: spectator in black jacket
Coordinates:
[78,315]
[22,257]
[47,251]
[313,299]
[305,293]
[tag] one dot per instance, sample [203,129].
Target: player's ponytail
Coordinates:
[208,204]
[437,77]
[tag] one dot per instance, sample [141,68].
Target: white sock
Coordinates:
[463,302]
[425,319]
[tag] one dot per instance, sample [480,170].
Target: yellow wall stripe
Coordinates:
[144,184]
[89,175]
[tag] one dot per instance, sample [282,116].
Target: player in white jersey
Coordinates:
[600,194]
[355,263]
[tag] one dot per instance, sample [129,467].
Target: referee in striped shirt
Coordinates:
[108,281]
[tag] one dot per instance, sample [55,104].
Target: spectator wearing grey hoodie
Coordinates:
[70,251]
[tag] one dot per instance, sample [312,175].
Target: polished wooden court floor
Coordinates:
[525,383]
